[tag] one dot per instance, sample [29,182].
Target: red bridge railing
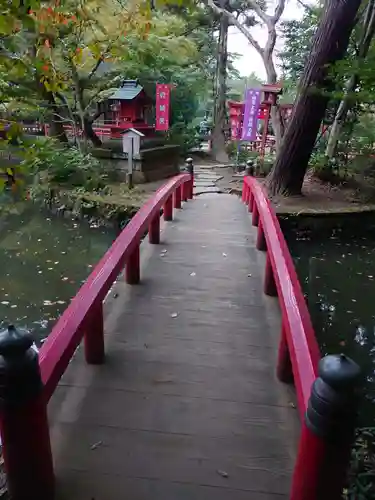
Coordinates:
[28,383]
[325,387]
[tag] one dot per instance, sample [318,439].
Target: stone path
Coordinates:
[205,179]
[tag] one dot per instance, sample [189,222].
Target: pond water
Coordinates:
[337,273]
[43,262]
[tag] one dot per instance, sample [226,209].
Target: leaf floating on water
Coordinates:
[96,445]
[5,303]
[174,315]
[48,303]
[222,473]
[60,302]
[342,343]
[13,306]
[56,263]
[65,278]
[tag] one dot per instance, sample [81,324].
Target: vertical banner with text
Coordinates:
[250,121]
[162,106]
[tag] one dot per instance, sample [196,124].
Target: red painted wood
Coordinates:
[177,198]
[133,268]
[185,191]
[255,218]
[245,190]
[284,369]
[270,288]
[26,450]
[190,187]
[154,230]
[168,209]
[320,470]
[302,344]
[94,336]
[62,342]
[261,240]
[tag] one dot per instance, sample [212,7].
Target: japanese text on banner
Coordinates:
[162,106]
[250,122]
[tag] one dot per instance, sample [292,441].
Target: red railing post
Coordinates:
[185,189]
[190,169]
[327,432]
[284,368]
[255,218]
[132,267]
[168,209]
[154,230]
[94,335]
[177,197]
[23,419]
[245,189]
[261,240]
[269,279]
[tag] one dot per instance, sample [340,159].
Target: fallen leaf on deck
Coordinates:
[96,445]
[174,315]
[193,274]
[222,473]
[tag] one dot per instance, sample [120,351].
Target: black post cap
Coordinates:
[333,402]
[20,378]
[15,342]
[339,372]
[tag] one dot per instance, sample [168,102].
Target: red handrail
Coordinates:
[84,315]
[298,352]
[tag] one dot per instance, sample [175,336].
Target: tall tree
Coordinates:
[218,134]
[329,45]
[246,15]
[366,30]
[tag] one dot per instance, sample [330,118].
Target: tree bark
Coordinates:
[346,103]
[329,45]
[56,122]
[90,133]
[218,135]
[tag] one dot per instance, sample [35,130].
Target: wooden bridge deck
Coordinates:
[187,405]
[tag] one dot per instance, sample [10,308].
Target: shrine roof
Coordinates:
[127,92]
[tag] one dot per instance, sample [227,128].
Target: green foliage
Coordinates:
[53,163]
[362,468]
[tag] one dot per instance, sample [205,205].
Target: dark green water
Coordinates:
[43,262]
[337,274]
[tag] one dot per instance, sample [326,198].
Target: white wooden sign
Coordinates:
[131,141]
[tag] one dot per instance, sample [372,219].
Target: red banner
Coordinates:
[162,106]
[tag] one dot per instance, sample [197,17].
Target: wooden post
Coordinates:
[94,335]
[154,230]
[132,268]
[24,424]
[255,218]
[261,240]
[284,369]
[327,432]
[269,279]
[168,209]
[190,168]
[177,197]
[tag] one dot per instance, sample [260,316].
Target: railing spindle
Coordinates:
[261,240]
[177,197]
[269,279]
[168,209]
[255,218]
[132,268]
[284,368]
[154,230]
[94,335]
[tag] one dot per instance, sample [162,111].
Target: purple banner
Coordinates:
[250,120]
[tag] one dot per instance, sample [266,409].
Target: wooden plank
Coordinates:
[188,388]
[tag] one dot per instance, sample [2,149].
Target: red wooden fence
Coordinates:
[325,387]
[299,353]
[84,316]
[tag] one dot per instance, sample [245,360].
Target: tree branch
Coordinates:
[278,11]
[235,22]
[305,6]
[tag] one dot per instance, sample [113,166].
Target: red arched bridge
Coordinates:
[183,387]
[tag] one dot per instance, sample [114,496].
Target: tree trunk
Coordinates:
[56,121]
[340,117]
[90,133]
[329,45]
[350,87]
[276,118]
[218,135]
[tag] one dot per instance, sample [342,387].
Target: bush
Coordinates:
[49,161]
[244,154]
